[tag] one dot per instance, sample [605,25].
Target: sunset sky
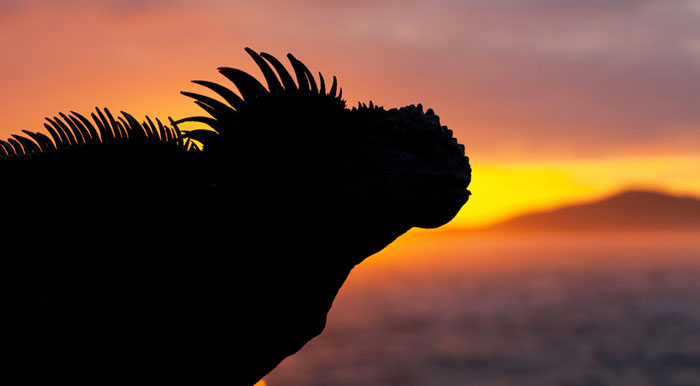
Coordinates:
[555,100]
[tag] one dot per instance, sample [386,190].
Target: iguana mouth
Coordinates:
[454,180]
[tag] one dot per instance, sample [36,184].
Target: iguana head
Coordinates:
[415,160]
[294,145]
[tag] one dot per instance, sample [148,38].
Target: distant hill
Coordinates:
[632,210]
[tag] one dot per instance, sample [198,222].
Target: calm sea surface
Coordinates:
[527,310]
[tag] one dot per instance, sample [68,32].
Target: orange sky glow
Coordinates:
[551,112]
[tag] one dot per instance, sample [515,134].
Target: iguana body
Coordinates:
[127,248]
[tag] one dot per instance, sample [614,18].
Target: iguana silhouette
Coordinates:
[130,251]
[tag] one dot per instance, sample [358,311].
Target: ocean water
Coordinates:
[456,309]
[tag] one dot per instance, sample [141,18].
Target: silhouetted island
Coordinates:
[629,210]
[133,251]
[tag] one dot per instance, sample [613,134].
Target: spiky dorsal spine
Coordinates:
[74,129]
[71,130]
[278,80]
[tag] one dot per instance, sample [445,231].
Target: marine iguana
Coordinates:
[129,249]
